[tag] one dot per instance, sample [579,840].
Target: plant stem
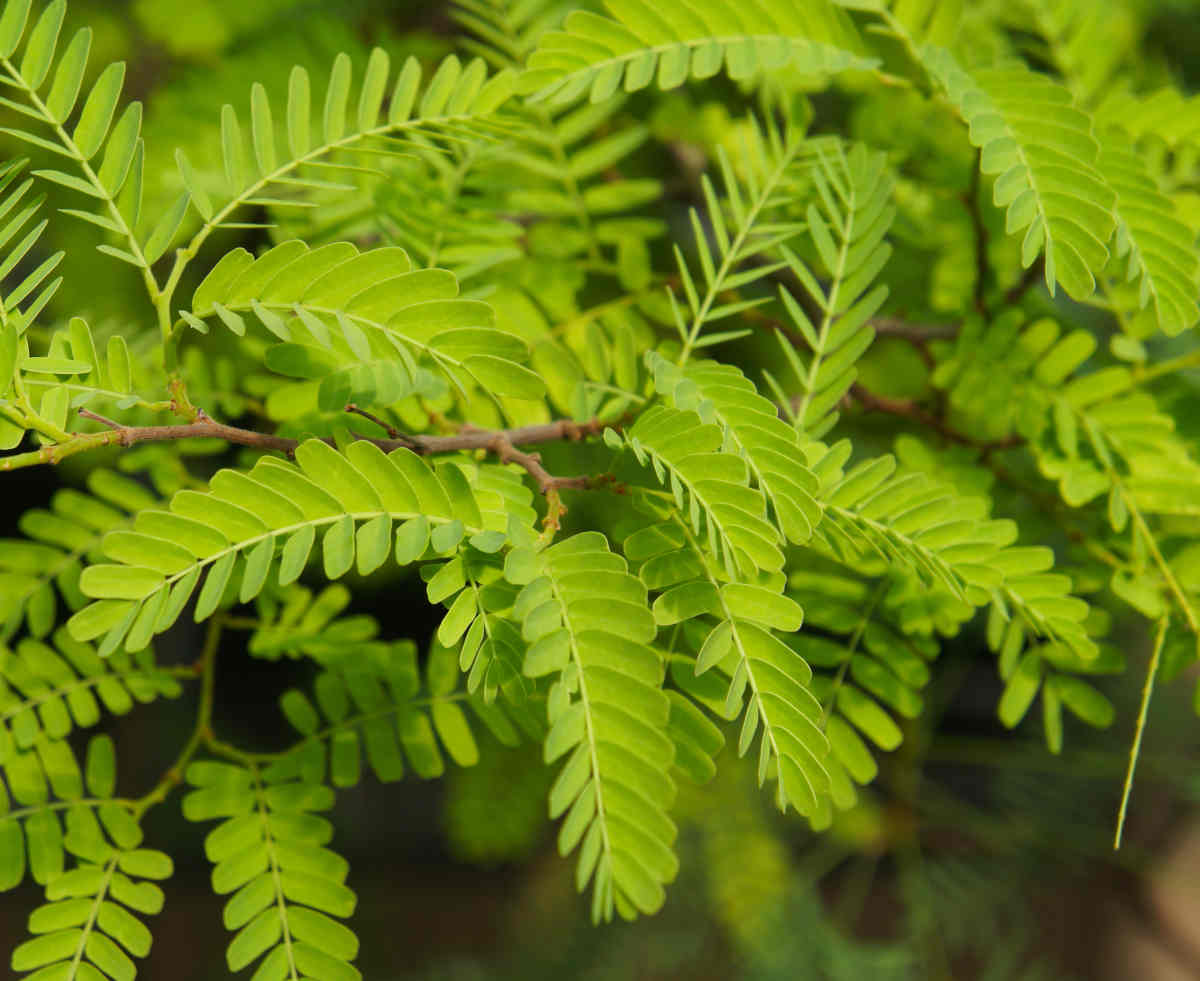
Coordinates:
[201,731]
[1143,711]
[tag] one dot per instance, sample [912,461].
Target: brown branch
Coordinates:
[391,430]
[917,333]
[502,444]
[203,428]
[908,409]
[469,438]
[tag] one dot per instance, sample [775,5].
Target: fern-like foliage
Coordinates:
[295,622]
[945,538]
[847,228]
[719,556]
[1154,244]
[587,622]
[88,928]
[757,670]
[288,890]
[865,656]
[46,693]
[455,99]
[520,343]
[643,43]
[722,395]
[12,194]
[710,487]
[80,142]
[1045,155]
[247,526]
[41,569]
[759,192]
[381,310]
[376,704]
[1096,434]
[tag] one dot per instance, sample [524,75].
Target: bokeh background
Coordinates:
[978,855]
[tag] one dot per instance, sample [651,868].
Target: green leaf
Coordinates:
[198,195]
[298,112]
[101,768]
[69,76]
[12,25]
[335,98]
[97,112]
[39,47]
[262,129]
[373,86]
[164,231]
[338,547]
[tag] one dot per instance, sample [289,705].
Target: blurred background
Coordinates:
[977,854]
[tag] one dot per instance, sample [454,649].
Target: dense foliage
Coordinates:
[843,328]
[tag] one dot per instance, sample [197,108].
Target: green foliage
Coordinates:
[594,369]
[644,43]
[847,225]
[44,565]
[288,890]
[88,927]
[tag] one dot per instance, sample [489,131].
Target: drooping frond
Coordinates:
[88,926]
[334,305]
[41,569]
[44,782]
[375,703]
[867,665]
[721,394]
[1096,434]
[289,892]
[296,622]
[49,98]
[718,555]
[587,623]
[1053,670]
[947,539]
[670,43]
[1045,155]
[47,691]
[710,487]
[488,644]
[1157,248]
[754,670]
[247,526]
[847,224]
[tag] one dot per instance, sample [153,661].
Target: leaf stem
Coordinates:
[1143,711]
[201,731]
